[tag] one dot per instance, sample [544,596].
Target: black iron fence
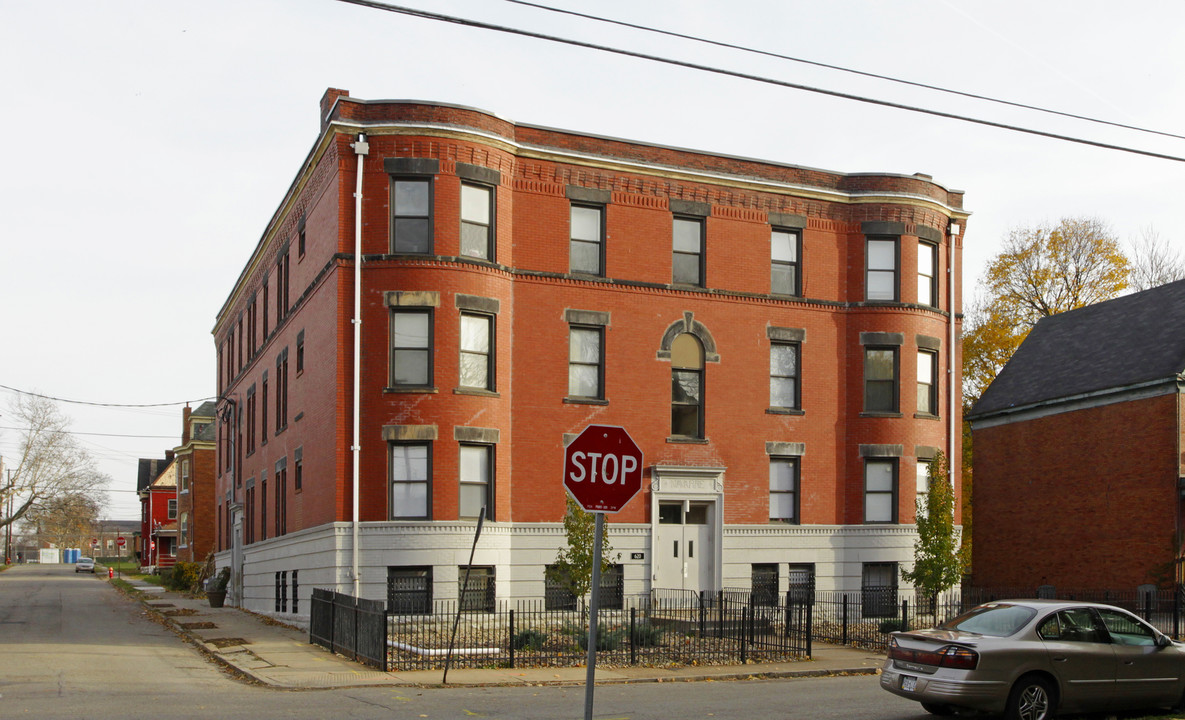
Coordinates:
[662,628]
[349,626]
[668,626]
[865,618]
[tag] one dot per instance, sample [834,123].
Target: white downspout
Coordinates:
[361,148]
[951,394]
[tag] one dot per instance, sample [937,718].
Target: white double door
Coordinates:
[684,546]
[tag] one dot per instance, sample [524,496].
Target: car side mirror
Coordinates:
[1163,641]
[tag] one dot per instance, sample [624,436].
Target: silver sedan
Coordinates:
[1029,659]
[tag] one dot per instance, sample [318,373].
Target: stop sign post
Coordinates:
[602,472]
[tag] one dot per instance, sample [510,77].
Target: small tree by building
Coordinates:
[574,564]
[937,563]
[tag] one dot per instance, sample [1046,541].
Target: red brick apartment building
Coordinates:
[1078,464]
[778,340]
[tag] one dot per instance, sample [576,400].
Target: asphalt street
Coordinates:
[71,646]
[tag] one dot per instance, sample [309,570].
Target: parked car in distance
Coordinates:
[1030,659]
[84,564]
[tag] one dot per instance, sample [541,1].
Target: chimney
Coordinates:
[327,100]
[185,413]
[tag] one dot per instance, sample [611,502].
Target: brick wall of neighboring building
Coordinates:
[1080,499]
[529,289]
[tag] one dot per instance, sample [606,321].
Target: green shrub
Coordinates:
[528,640]
[606,639]
[182,577]
[647,635]
[888,626]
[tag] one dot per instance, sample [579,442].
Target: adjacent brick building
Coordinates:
[1078,474]
[195,460]
[778,340]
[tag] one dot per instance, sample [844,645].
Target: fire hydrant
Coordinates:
[110,573]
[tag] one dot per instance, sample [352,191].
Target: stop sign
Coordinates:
[120,541]
[603,468]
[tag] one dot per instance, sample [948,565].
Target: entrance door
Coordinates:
[684,555]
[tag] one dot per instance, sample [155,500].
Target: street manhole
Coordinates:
[227,642]
[198,626]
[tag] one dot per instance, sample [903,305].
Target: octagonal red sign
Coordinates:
[603,468]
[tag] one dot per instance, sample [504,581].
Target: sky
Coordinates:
[147,144]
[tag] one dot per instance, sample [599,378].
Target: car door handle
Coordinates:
[1059,658]
[1128,662]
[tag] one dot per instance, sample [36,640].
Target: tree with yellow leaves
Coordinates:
[1041,271]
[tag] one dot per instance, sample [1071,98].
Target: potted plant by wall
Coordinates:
[216,590]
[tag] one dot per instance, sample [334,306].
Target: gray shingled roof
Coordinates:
[1130,340]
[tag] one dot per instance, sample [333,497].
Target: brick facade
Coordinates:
[531,294]
[1079,499]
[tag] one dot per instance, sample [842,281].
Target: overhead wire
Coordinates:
[440,17]
[105,404]
[840,68]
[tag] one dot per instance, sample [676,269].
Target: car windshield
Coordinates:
[994,619]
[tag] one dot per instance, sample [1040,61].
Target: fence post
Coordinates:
[788,612]
[633,635]
[905,614]
[844,634]
[810,628]
[699,596]
[357,611]
[1176,612]
[745,612]
[512,638]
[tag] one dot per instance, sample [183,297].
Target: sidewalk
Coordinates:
[281,656]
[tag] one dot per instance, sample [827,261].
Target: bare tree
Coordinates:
[49,465]
[65,521]
[1154,261]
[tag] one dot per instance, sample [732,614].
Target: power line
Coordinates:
[95,434]
[840,68]
[102,404]
[756,78]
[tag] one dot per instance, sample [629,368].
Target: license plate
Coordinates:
[909,683]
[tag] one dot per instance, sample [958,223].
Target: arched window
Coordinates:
[687,387]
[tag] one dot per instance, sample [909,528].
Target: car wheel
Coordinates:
[938,709]
[1031,699]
